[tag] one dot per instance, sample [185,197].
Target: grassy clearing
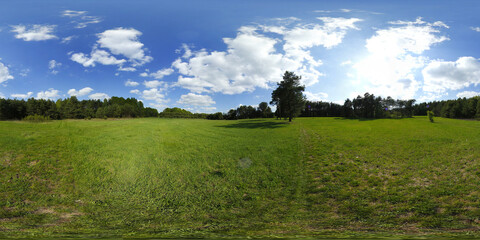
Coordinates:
[181,177]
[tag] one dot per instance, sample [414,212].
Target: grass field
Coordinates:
[201,178]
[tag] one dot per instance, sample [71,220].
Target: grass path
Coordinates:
[182,177]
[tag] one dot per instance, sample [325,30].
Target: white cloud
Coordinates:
[130,83]
[196,100]
[66,40]
[52,65]
[4,73]
[49,94]
[1,95]
[441,76]
[18,95]
[34,33]
[119,42]
[395,56]
[123,41]
[467,94]
[476,29]
[82,19]
[73,13]
[85,20]
[135,91]
[96,56]
[158,74]
[127,69]
[320,96]
[24,72]
[153,94]
[81,92]
[252,61]
[155,84]
[348,62]
[98,96]
[162,73]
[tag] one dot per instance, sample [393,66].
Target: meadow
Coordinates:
[155,177]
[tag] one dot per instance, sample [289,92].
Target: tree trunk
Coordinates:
[290,119]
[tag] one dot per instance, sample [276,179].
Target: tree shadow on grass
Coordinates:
[255,124]
[356,119]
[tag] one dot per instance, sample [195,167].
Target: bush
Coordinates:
[430,116]
[37,118]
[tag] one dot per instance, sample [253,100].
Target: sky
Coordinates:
[210,56]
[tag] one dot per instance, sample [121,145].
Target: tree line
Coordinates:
[366,106]
[72,108]
[244,112]
[467,108]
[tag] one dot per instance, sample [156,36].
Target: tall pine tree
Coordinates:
[288,97]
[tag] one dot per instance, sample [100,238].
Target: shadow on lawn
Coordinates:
[252,124]
[356,119]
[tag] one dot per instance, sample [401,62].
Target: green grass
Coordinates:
[201,178]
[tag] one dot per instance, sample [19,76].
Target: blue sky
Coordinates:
[209,56]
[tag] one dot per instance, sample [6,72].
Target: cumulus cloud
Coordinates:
[158,74]
[395,56]
[81,18]
[96,56]
[441,76]
[153,94]
[52,65]
[98,96]
[155,84]
[162,73]
[320,96]
[121,42]
[124,41]
[4,73]
[35,32]
[476,29]
[19,95]
[196,100]
[467,94]
[252,60]
[81,92]
[130,83]
[127,69]
[48,94]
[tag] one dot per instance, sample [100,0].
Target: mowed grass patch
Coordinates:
[200,178]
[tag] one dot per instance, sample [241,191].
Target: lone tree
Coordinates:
[288,97]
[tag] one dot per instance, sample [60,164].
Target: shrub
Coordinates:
[37,118]
[430,116]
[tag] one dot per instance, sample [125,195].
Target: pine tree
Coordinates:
[288,97]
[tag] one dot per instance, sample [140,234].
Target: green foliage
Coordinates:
[467,108]
[176,113]
[430,115]
[72,108]
[288,97]
[36,118]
